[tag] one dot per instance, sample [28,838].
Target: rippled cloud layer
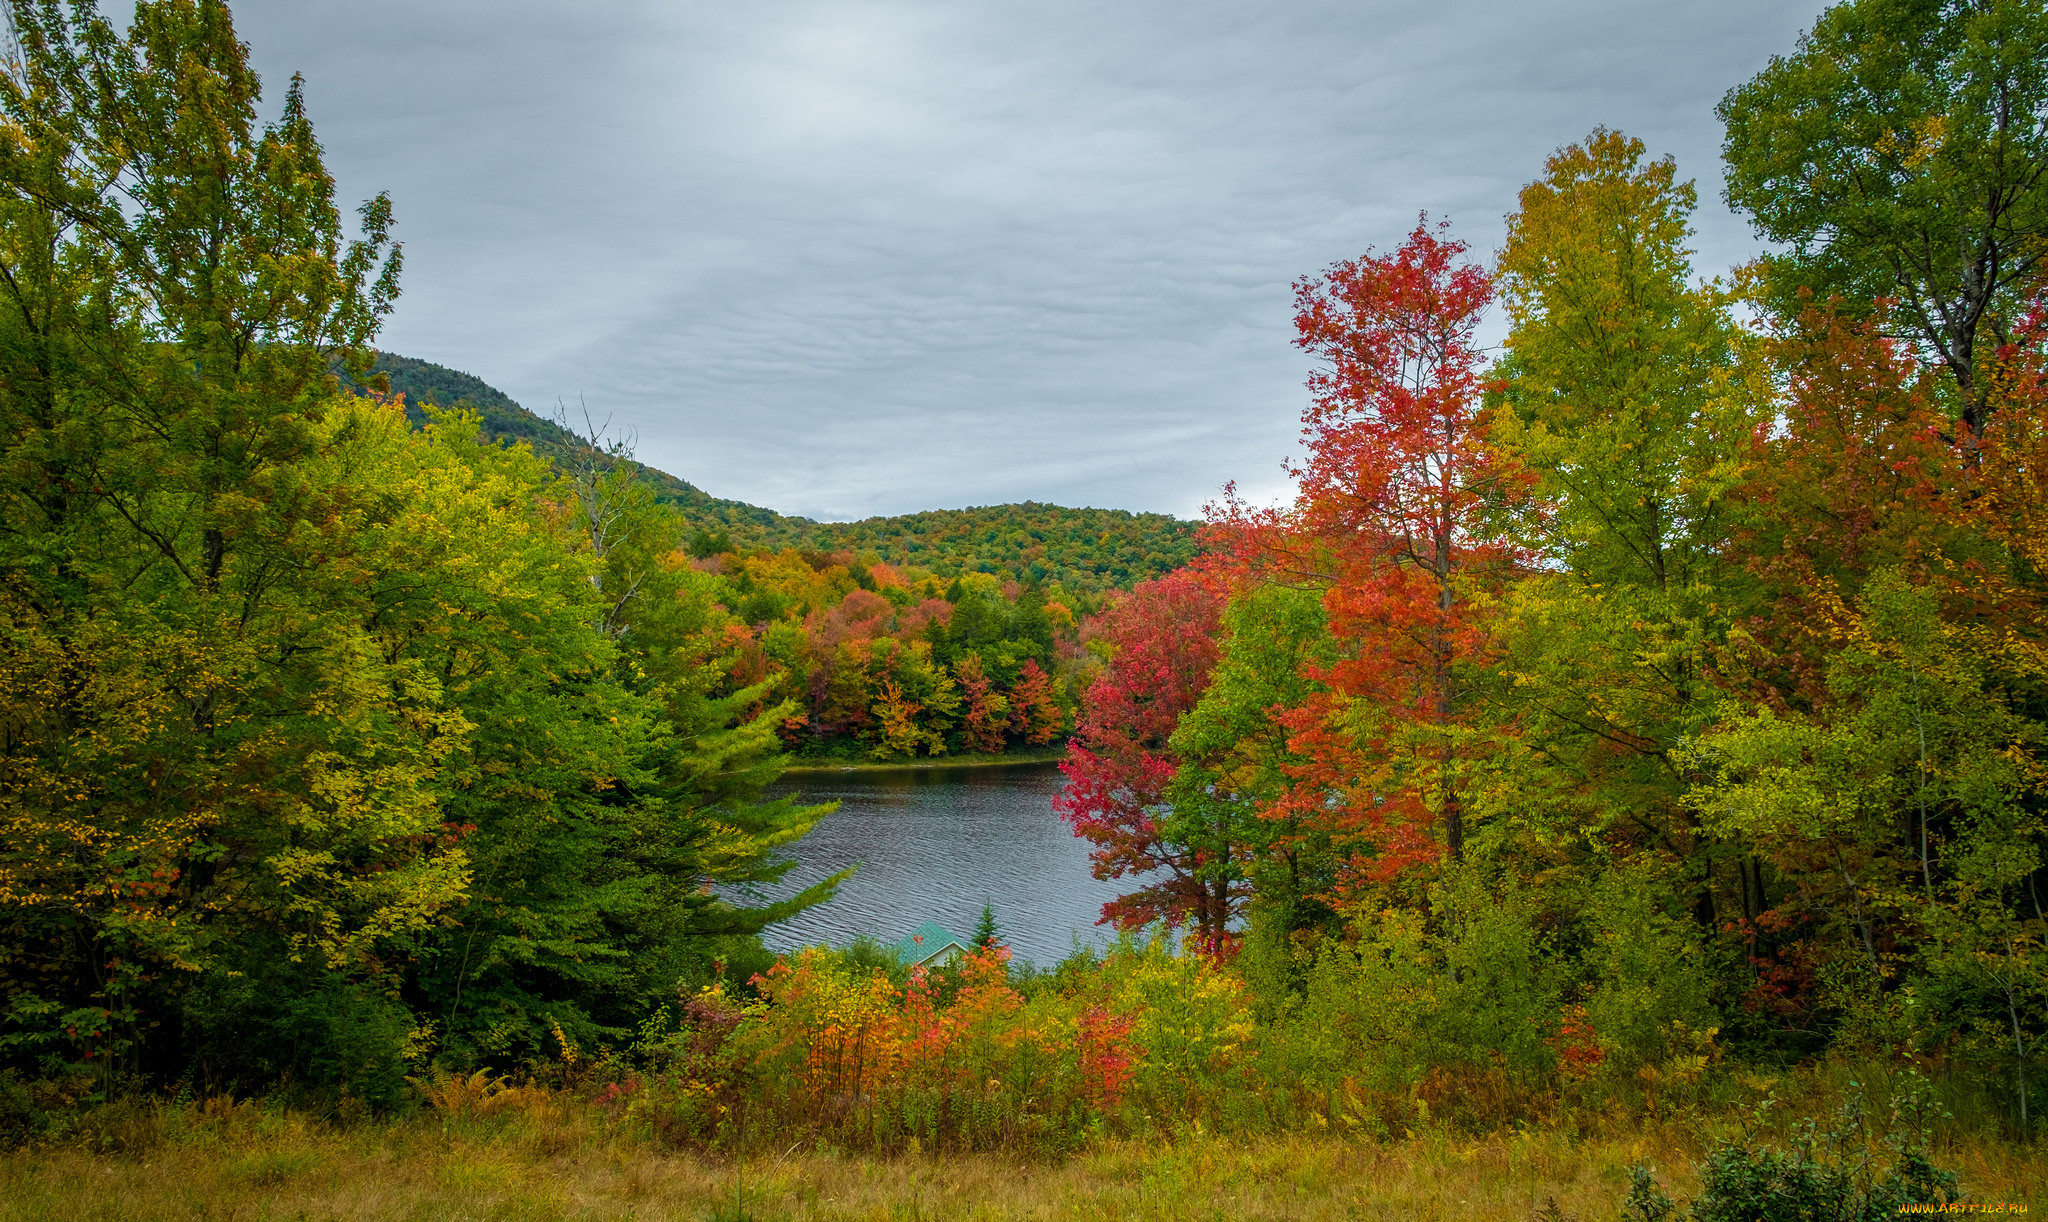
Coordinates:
[853,258]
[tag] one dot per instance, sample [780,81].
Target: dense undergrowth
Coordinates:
[849,1087]
[613,1137]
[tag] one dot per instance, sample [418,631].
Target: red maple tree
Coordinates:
[1392,518]
[1162,645]
[1034,711]
[986,713]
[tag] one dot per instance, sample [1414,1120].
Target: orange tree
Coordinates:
[1395,518]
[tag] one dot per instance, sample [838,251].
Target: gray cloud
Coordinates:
[855,258]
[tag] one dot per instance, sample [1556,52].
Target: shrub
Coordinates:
[21,1119]
[1647,969]
[1806,1181]
[1645,1201]
[1499,1005]
[331,1036]
[1843,1172]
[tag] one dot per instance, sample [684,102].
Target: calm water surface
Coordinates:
[935,844]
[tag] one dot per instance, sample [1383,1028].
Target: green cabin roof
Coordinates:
[927,940]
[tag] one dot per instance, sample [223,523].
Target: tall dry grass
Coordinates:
[489,1151]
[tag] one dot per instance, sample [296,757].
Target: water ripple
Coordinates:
[935,844]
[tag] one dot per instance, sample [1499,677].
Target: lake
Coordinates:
[935,844]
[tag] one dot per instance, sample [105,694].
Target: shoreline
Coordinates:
[1037,755]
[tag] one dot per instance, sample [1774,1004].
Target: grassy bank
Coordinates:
[560,1157]
[1027,755]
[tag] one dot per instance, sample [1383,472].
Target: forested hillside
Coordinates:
[1082,549]
[939,633]
[424,383]
[1085,550]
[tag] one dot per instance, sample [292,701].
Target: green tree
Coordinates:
[318,734]
[1901,805]
[1233,792]
[1626,397]
[205,748]
[615,769]
[1902,152]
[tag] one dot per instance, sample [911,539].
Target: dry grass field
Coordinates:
[555,1159]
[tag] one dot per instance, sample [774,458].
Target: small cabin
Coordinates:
[929,945]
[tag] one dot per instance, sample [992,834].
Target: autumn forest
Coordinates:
[1613,783]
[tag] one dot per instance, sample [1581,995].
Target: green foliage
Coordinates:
[1624,395]
[1616,388]
[1909,789]
[208,744]
[1648,973]
[1899,153]
[1499,996]
[1478,984]
[1375,991]
[614,769]
[331,742]
[1840,1171]
[1236,760]
[21,1119]
[1645,1201]
[256,1020]
[1085,550]
[867,955]
[1742,1185]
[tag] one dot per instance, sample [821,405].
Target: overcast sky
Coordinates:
[853,258]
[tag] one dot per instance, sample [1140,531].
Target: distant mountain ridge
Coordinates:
[424,382]
[1081,549]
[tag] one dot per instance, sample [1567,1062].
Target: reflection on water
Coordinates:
[935,844]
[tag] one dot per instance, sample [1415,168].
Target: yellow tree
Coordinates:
[200,739]
[1623,391]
